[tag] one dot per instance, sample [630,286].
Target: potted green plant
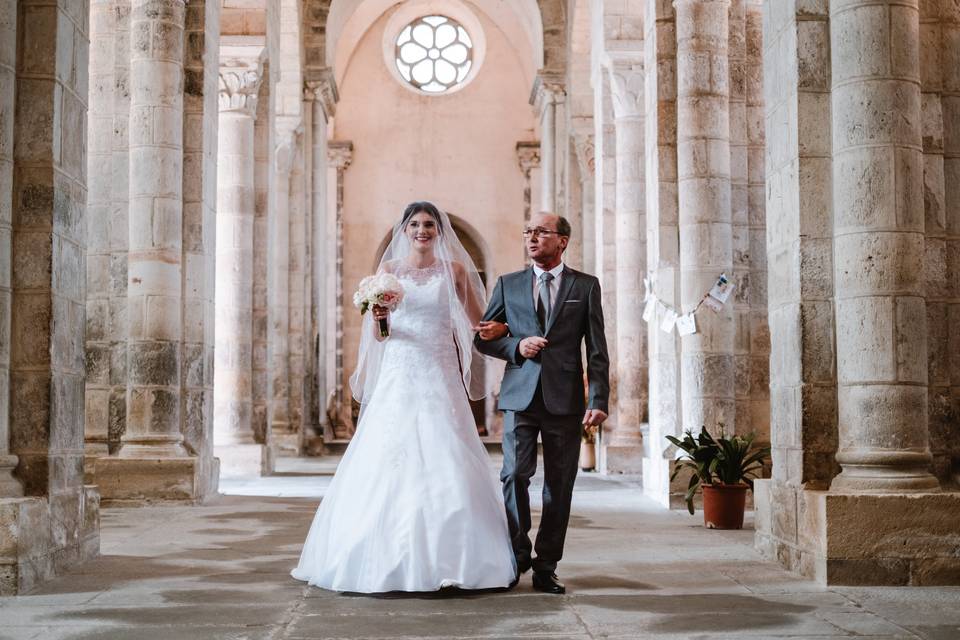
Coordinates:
[723,468]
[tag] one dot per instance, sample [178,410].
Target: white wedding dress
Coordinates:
[414,505]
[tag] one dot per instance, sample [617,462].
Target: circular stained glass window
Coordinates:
[434,53]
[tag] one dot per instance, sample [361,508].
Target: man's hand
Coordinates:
[530,347]
[593,418]
[491,330]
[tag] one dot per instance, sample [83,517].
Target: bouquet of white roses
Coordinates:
[382,289]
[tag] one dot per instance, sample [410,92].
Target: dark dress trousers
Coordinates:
[544,396]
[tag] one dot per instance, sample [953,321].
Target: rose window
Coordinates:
[434,53]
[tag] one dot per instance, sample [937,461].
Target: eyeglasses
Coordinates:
[539,232]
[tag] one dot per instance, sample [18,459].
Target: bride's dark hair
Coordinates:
[422,207]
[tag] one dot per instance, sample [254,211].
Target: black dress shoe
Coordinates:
[547,582]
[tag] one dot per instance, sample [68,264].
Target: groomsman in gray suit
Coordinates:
[551,310]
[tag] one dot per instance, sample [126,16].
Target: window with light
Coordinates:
[434,54]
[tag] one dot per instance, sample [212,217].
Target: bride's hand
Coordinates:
[491,330]
[380,313]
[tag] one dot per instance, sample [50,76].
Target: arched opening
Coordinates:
[420,145]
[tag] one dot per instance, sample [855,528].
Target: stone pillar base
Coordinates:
[621,459]
[860,539]
[286,445]
[41,537]
[91,453]
[657,485]
[133,481]
[9,486]
[240,459]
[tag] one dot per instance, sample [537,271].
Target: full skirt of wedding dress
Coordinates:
[414,505]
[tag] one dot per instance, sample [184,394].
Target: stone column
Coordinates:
[547,91]
[740,224]
[663,247]
[571,199]
[624,451]
[261,141]
[9,486]
[340,155]
[845,326]
[43,197]
[703,161]
[528,157]
[240,78]
[757,324]
[585,158]
[201,69]
[278,291]
[950,104]
[879,248]
[323,101]
[605,180]
[290,443]
[155,296]
[939,48]
[119,227]
[100,276]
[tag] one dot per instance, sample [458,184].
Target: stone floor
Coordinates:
[632,571]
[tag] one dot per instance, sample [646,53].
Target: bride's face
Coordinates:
[422,231]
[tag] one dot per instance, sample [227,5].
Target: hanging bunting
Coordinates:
[685,323]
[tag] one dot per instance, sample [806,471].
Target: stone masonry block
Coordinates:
[879,263]
[896,416]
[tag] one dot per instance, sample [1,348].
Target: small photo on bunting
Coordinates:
[687,324]
[669,319]
[649,308]
[720,292]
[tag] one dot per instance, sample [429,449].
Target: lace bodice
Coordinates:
[420,328]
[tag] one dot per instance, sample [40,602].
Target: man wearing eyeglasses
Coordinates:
[551,310]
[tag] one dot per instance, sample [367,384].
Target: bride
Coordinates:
[413,505]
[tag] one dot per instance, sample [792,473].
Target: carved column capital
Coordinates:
[238,91]
[626,73]
[241,71]
[322,87]
[528,155]
[340,153]
[548,89]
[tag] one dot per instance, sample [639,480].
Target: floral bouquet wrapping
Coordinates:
[382,289]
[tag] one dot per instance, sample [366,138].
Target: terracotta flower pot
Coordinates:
[723,505]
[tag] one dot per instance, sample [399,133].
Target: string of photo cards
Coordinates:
[654,309]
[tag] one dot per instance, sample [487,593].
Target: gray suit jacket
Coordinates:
[577,316]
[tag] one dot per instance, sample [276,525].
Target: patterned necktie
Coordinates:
[544,305]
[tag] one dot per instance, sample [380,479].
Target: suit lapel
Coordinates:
[566,282]
[524,290]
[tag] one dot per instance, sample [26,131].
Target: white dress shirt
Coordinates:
[553,284]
